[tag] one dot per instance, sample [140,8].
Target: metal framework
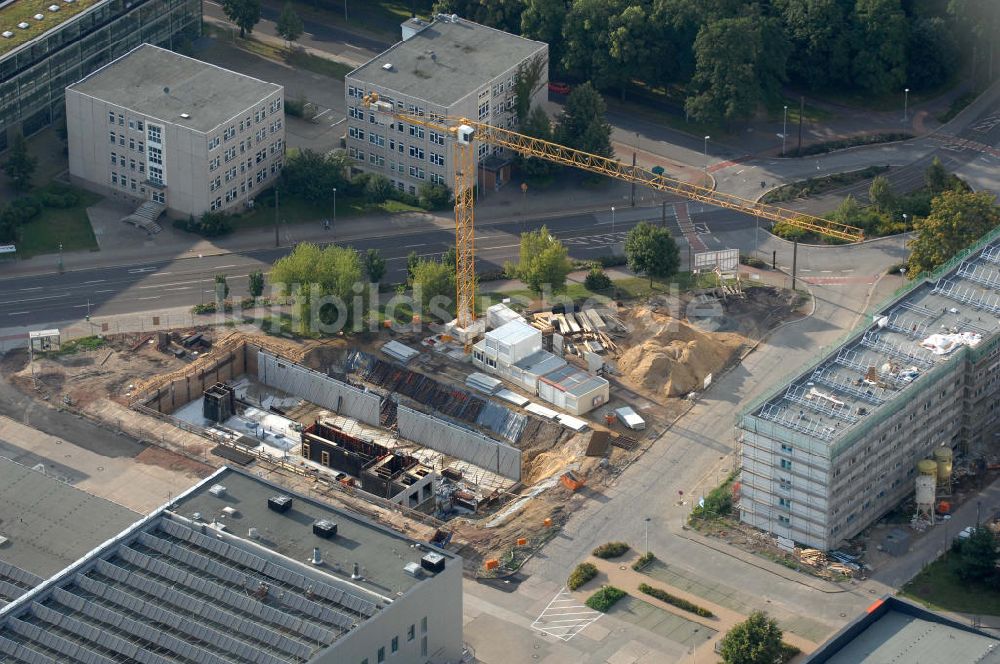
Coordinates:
[464,131]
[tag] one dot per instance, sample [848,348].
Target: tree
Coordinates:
[881,195]
[978,557]
[20,165]
[544,261]
[740,65]
[957,219]
[820,37]
[938,179]
[378,188]
[313,175]
[880,60]
[543,20]
[412,259]
[529,82]
[933,54]
[586,42]
[374,265]
[756,640]
[650,250]
[244,13]
[597,279]
[582,124]
[434,279]
[289,25]
[536,125]
[221,287]
[434,196]
[502,14]
[255,284]
[330,272]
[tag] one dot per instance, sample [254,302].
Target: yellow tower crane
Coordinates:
[465,132]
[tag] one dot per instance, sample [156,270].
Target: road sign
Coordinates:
[7,248]
[727,260]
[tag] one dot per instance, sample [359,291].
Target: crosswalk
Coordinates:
[564,617]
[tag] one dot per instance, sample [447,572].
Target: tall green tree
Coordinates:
[374,265]
[881,195]
[435,280]
[740,65]
[932,54]
[756,640]
[378,188]
[309,271]
[313,175]
[244,13]
[221,287]
[582,123]
[20,165]
[544,262]
[502,14]
[289,26]
[543,20]
[651,250]
[255,284]
[977,557]
[529,82]
[820,36]
[536,125]
[882,35]
[957,219]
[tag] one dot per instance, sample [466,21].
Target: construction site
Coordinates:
[402,426]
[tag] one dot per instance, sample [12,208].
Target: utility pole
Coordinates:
[277,243]
[802,110]
[795,260]
[61,268]
[784,131]
[906,103]
[633,181]
[646,534]
[334,209]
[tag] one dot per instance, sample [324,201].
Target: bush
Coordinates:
[597,279]
[434,196]
[674,600]
[610,550]
[853,141]
[584,572]
[753,261]
[718,502]
[211,224]
[605,598]
[644,560]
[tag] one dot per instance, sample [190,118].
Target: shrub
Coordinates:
[718,502]
[674,600]
[644,559]
[584,572]
[211,224]
[605,598]
[434,196]
[753,261]
[610,550]
[597,279]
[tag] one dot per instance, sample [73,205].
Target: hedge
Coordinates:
[610,550]
[673,600]
[605,598]
[643,560]
[584,572]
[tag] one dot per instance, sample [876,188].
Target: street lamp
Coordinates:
[706,159]
[784,131]
[903,234]
[906,103]
[612,219]
[335,208]
[645,532]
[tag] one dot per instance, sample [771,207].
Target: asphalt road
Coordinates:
[50,298]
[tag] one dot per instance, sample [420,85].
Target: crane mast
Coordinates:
[465,132]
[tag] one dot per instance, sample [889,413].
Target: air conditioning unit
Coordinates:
[325,529]
[217,490]
[414,570]
[280,503]
[433,562]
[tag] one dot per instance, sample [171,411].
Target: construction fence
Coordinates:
[318,388]
[458,442]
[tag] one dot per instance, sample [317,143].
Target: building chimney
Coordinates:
[317,557]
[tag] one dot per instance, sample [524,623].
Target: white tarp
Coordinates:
[943,344]
[459,442]
[319,389]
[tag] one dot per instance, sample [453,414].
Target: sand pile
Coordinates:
[669,357]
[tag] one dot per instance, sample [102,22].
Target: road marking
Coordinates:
[411,246]
[154,297]
[33,288]
[140,270]
[179,288]
[319,115]
[36,299]
[338,122]
[222,267]
[80,306]
[176,283]
[18,313]
[553,619]
[107,290]
[94,281]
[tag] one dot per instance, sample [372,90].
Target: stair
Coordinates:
[145,217]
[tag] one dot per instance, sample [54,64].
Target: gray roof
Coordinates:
[162,84]
[49,524]
[837,394]
[574,381]
[466,56]
[190,592]
[540,363]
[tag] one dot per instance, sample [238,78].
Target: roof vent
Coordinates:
[23,25]
[253,533]
[414,570]
[325,529]
[279,503]
[230,511]
[356,574]
[39,17]
[53,8]
[433,562]
[217,490]
[185,115]
[317,557]
[387,66]
[7,34]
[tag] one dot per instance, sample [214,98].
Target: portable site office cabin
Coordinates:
[573,390]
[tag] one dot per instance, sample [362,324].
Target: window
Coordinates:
[131,124]
[375,139]
[156,175]
[785,502]
[212,165]
[261,155]
[784,520]
[154,134]
[140,125]
[141,146]
[121,140]
[381,655]
[132,183]
[416,131]
[113,137]
[155,156]
[114,176]
[423,625]
[229,133]
[395,644]
[484,110]
[437,179]
[423,646]
[121,120]
[111,117]
[114,159]
[416,153]
[787,449]
[786,464]
[142,167]
[411,633]
[213,142]
[377,160]
[230,154]
[436,159]
[131,164]
[355,113]
[158,197]
[436,138]
[355,132]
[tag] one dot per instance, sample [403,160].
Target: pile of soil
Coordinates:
[669,357]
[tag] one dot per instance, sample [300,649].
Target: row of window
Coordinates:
[119,119]
[359,93]
[126,182]
[121,139]
[115,159]
[229,133]
[411,634]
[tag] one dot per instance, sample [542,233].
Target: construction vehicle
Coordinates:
[464,132]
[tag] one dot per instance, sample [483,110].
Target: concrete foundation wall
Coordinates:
[461,443]
[319,389]
[184,389]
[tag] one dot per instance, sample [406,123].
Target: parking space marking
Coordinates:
[564,617]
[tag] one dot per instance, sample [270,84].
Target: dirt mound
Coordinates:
[667,356]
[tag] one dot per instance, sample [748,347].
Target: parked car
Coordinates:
[558,88]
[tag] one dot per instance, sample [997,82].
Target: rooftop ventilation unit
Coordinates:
[217,490]
[7,34]
[317,556]
[280,503]
[230,511]
[433,562]
[325,529]
[185,115]
[387,66]
[414,570]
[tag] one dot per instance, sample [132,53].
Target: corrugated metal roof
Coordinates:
[540,363]
[574,381]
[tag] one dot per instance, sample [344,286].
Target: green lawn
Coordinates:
[629,288]
[295,211]
[938,587]
[24,10]
[381,18]
[69,227]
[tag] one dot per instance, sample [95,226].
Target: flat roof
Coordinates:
[24,11]
[897,631]
[50,524]
[513,332]
[573,380]
[187,589]
[540,362]
[446,61]
[162,84]
[906,339]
